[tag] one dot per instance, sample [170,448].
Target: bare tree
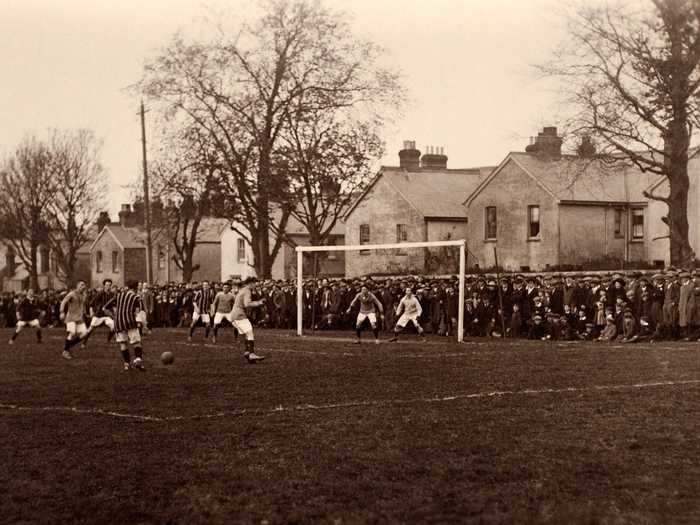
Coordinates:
[26,190]
[79,195]
[631,72]
[185,176]
[296,59]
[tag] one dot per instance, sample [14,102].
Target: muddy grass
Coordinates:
[326,431]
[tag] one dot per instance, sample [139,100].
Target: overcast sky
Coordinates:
[466,65]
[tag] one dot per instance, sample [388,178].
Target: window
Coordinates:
[618,224]
[161,258]
[115,262]
[638,223]
[401,236]
[44,257]
[364,237]
[491,222]
[332,241]
[240,250]
[533,222]
[98,262]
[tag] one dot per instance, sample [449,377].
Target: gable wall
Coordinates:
[383,208]
[512,191]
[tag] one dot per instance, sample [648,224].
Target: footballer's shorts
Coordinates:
[218,317]
[74,328]
[196,316]
[243,326]
[34,323]
[405,319]
[141,318]
[371,316]
[99,321]
[132,336]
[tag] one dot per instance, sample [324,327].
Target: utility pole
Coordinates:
[146,200]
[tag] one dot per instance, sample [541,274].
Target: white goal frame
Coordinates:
[462,244]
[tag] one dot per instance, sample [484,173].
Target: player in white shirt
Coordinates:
[409,310]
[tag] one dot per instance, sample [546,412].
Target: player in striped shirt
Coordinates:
[241,322]
[27,315]
[127,306]
[72,310]
[369,304]
[409,310]
[203,300]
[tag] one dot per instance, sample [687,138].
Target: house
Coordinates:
[540,208]
[420,200]
[119,252]
[237,260]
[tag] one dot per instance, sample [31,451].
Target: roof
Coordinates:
[432,193]
[210,229]
[128,238]
[573,179]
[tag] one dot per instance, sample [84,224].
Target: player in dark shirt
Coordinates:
[27,315]
[97,310]
[203,300]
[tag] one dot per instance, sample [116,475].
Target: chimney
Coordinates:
[409,156]
[435,159]
[10,261]
[102,221]
[125,216]
[586,148]
[546,143]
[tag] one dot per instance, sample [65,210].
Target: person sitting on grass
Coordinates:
[609,333]
[537,329]
[629,326]
[589,333]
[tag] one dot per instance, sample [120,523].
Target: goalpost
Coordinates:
[394,246]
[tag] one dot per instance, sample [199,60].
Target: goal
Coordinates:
[458,244]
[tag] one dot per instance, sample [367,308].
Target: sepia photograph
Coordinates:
[321,261]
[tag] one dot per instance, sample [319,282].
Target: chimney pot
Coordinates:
[409,157]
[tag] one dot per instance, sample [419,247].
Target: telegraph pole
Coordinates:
[146,200]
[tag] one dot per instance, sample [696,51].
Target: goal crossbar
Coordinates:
[461,243]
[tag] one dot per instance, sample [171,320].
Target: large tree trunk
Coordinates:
[681,252]
[33,267]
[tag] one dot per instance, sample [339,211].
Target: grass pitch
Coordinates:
[328,431]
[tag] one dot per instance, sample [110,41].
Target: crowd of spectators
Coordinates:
[626,308]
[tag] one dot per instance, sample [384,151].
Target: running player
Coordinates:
[240,319]
[223,308]
[203,300]
[409,310]
[369,304]
[98,314]
[72,309]
[27,315]
[126,306]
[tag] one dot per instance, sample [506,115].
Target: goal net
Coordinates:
[435,271]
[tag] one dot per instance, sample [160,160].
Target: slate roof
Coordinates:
[433,193]
[573,179]
[128,237]
[210,229]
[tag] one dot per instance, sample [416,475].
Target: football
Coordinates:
[167,358]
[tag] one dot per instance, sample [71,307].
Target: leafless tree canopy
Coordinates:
[50,194]
[630,72]
[256,92]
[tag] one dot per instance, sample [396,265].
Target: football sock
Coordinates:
[216,329]
[38,335]
[110,335]
[138,352]
[192,330]
[249,346]
[235,334]
[14,336]
[375,331]
[358,331]
[126,356]
[206,332]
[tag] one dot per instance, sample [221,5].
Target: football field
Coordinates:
[328,431]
